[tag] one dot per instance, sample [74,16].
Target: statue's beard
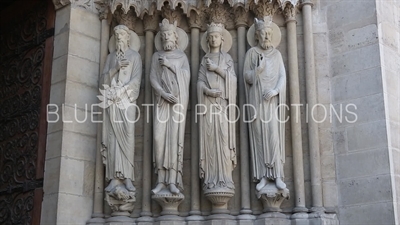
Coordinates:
[169,45]
[266,44]
[121,46]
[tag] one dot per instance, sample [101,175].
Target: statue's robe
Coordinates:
[217,134]
[118,126]
[169,119]
[267,127]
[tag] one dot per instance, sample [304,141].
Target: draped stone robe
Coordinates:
[217,135]
[118,126]
[169,119]
[266,132]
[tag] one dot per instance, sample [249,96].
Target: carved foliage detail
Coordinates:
[127,19]
[289,12]
[264,8]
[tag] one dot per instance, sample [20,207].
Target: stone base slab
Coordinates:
[269,218]
[120,220]
[323,219]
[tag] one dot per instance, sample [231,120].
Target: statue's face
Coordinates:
[214,39]
[121,37]
[168,39]
[264,37]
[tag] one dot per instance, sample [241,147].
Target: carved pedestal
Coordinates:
[169,203]
[119,198]
[219,198]
[272,199]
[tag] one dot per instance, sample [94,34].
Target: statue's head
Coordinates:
[214,35]
[122,37]
[264,32]
[169,36]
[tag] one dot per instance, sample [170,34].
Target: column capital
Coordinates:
[264,8]
[128,19]
[241,17]
[289,12]
[150,22]
[102,8]
[196,18]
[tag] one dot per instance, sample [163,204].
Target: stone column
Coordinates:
[195,25]
[297,150]
[313,137]
[241,23]
[150,26]
[98,214]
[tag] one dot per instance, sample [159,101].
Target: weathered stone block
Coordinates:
[59,69]
[51,181]
[61,44]
[86,150]
[74,120]
[360,84]
[378,213]
[83,71]
[369,162]
[57,93]
[340,13]
[53,146]
[63,17]
[84,46]
[85,22]
[73,215]
[367,57]
[367,135]
[361,191]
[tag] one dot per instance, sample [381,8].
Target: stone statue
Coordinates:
[265,85]
[216,89]
[121,79]
[169,76]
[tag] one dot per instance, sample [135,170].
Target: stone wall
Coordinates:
[71,146]
[358,75]
[388,13]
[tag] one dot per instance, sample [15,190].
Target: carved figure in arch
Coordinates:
[265,85]
[121,81]
[169,76]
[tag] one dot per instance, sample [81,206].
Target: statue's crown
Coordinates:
[215,27]
[261,24]
[165,25]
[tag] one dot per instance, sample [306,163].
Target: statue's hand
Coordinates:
[214,93]
[262,64]
[211,66]
[164,61]
[268,94]
[169,97]
[121,64]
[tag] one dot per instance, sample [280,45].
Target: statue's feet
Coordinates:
[158,188]
[129,185]
[262,184]
[279,183]
[173,189]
